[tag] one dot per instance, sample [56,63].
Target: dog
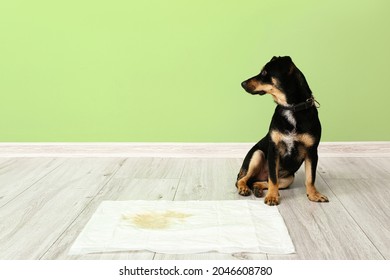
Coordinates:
[293,136]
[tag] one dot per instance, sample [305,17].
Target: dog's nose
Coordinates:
[243,84]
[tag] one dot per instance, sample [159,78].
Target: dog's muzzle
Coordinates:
[245,85]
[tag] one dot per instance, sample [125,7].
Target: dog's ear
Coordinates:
[304,86]
[291,69]
[284,58]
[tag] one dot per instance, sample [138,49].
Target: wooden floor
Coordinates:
[45,203]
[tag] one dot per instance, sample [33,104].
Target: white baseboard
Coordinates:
[180,150]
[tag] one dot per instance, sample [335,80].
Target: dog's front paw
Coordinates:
[258,192]
[244,191]
[317,197]
[271,199]
[258,188]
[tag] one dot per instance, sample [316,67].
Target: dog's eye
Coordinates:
[263,73]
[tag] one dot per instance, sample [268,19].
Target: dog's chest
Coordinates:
[286,143]
[289,116]
[288,140]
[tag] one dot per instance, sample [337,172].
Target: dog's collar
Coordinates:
[310,102]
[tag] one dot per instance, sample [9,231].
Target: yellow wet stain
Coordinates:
[155,220]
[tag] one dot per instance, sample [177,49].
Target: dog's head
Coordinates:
[282,79]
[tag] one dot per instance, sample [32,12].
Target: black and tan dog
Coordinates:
[293,136]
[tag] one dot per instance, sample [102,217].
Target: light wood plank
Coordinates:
[362,186]
[322,230]
[209,179]
[382,164]
[216,188]
[19,174]
[151,168]
[158,168]
[367,202]
[350,168]
[211,167]
[33,221]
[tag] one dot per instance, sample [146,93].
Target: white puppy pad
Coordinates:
[184,227]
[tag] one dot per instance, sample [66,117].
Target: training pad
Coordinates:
[184,227]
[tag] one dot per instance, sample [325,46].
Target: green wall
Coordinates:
[171,70]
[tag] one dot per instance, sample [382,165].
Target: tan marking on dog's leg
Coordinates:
[258,187]
[285,182]
[253,169]
[311,191]
[272,197]
[301,152]
[306,139]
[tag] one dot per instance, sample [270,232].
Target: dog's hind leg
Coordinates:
[252,167]
[258,187]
